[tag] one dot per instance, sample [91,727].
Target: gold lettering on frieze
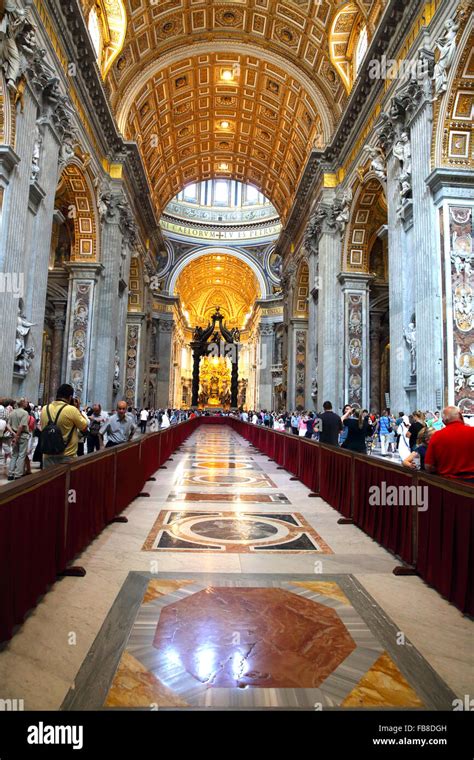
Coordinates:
[218,235]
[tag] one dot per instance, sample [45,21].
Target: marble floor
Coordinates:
[230,588]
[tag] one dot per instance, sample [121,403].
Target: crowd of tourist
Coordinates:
[70,430]
[60,431]
[438,442]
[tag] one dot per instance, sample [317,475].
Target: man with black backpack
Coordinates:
[60,421]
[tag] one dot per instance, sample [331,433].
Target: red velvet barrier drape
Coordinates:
[150,454]
[335,485]
[309,465]
[292,449]
[446,543]
[390,525]
[31,547]
[129,478]
[280,450]
[91,501]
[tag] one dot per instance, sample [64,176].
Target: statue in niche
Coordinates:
[12,24]
[402,151]
[23,355]
[410,337]
[446,44]
[116,383]
[378,162]
[35,161]
[22,330]
[344,213]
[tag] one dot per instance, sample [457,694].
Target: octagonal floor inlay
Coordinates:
[238,637]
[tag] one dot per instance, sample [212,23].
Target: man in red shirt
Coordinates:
[451,450]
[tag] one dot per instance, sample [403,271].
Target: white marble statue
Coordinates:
[22,329]
[35,162]
[11,24]
[343,216]
[378,163]
[446,44]
[410,337]
[116,383]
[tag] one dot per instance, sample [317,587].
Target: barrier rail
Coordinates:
[437,543]
[49,518]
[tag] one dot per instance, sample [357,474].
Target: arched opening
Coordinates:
[74,240]
[366,251]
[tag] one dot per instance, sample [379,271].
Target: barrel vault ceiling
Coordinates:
[237,88]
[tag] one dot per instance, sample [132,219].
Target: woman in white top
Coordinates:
[165,420]
[403,445]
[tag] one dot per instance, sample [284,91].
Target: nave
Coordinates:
[230,588]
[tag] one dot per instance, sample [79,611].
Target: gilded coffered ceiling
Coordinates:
[263,68]
[217,279]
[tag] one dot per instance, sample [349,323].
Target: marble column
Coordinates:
[83,277]
[355,287]
[330,315]
[312,364]
[375,320]
[165,337]
[15,173]
[400,280]
[427,264]
[132,391]
[108,308]
[42,199]
[267,333]
[59,322]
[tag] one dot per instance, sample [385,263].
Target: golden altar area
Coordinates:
[215,380]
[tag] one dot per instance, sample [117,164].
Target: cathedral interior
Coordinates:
[238,205]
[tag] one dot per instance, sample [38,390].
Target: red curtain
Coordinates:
[31,547]
[150,454]
[390,526]
[309,465]
[335,485]
[91,501]
[129,478]
[446,543]
[292,449]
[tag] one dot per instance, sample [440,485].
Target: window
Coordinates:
[252,195]
[221,193]
[95,32]
[361,49]
[190,193]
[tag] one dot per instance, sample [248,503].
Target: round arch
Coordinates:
[82,210]
[368,214]
[317,93]
[198,253]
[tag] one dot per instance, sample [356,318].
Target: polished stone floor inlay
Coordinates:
[243,642]
[237,532]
